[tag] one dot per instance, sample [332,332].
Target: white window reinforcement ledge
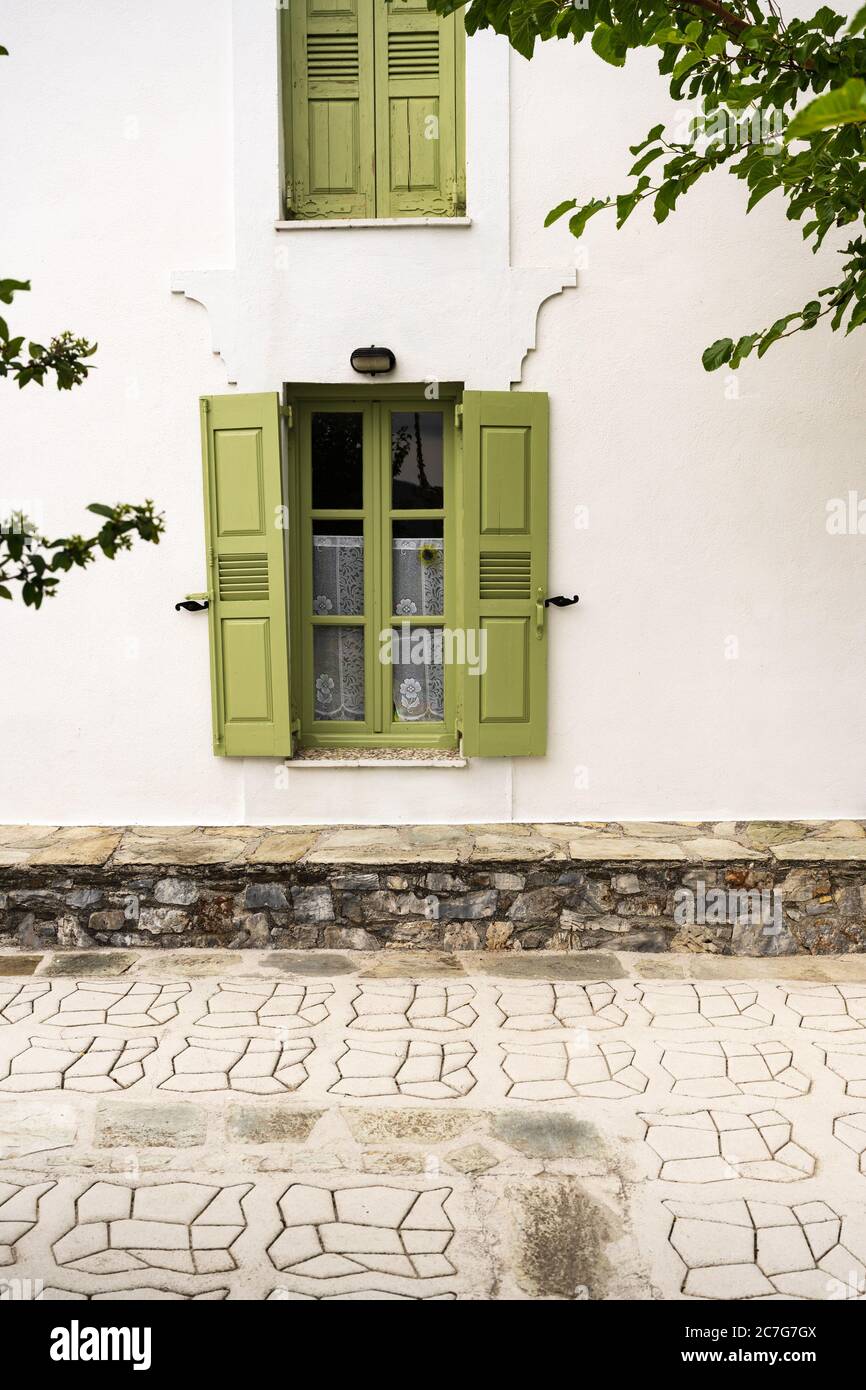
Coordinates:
[342,224]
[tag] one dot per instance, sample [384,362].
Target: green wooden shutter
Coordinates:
[505,570]
[246,575]
[330,137]
[418,72]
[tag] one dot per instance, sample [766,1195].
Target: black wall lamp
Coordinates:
[373,360]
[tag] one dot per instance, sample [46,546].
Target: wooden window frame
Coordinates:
[379,729]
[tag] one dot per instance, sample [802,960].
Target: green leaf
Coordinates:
[4,592]
[646,160]
[9,287]
[845,105]
[717,354]
[610,44]
[101,510]
[578,222]
[650,140]
[559,211]
[761,189]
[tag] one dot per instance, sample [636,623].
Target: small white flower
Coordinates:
[410,693]
[322,604]
[406,607]
[324,689]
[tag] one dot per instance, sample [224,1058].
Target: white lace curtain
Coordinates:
[338,652]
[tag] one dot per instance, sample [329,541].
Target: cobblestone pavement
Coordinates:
[212,1125]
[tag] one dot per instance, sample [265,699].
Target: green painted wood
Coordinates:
[249,652]
[329,122]
[419,111]
[505,443]
[379,727]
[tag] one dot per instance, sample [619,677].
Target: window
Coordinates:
[373,97]
[373,545]
[404,601]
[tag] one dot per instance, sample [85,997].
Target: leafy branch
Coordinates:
[741,64]
[32,562]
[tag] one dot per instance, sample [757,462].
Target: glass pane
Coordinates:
[419,679]
[337,450]
[418,569]
[416,458]
[338,567]
[338,672]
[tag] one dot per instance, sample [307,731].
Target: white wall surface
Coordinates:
[150,160]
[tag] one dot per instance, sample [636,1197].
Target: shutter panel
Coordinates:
[330,144]
[416,111]
[246,576]
[505,574]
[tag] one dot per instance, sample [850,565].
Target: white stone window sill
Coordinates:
[342,224]
[309,764]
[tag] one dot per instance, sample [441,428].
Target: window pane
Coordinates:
[419,680]
[338,567]
[337,450]
[338,672]
[418,569]
[416,458]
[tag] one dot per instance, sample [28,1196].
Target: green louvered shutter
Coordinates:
[505,574]
[329,142]
[418,134]
[246,575]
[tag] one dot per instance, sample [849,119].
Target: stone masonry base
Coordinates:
[761,888]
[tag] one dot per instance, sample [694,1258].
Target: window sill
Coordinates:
[338,224]
[322,758]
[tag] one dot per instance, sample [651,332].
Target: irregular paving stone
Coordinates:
[558,1070]
[150,1126]
[471,1158]
[132,1005]
[390,1230]
[182,1226]
[18,965]
[425,1070]
[186,844]
[399,964]
[17,1001]
[560,1242]
[749,1249]
[534,1007]
[282,847]
[554,1135]
[701,1006]
[19,1210]
[717,1145]
[715,1069]
[850,1130]
[251,1004]
[849,1062]
[91,963]
[829,1008]
[311,963]
[33,1128]
[440,1007]
[86,1064]
[270,1124]
[77,844]
[429,1126]
[259,1066]
[590,965]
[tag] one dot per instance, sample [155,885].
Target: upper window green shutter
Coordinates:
[330,160]
[417,111]
[505,571]
[246,575]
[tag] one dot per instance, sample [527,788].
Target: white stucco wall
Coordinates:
[150,162]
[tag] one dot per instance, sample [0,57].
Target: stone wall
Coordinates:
[566,904]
